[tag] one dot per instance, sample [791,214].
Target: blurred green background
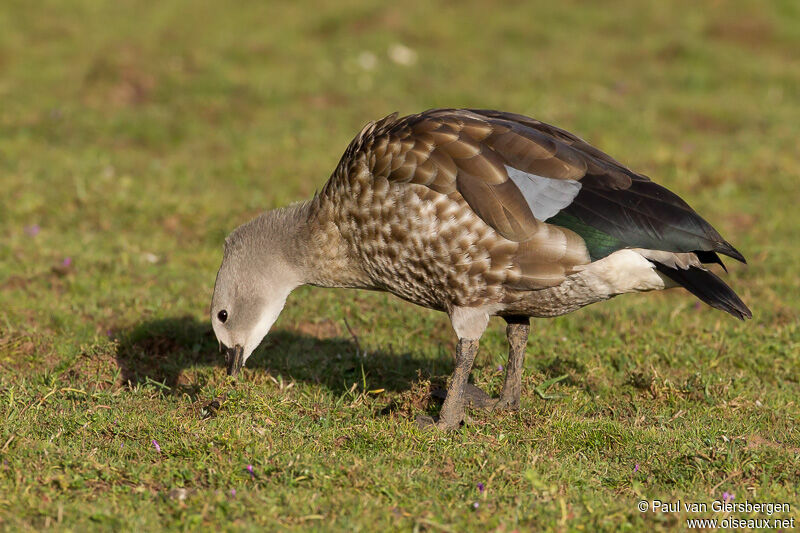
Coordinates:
[135,135]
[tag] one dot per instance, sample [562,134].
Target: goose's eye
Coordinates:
[223,316]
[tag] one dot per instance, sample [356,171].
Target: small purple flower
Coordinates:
[250,470]
[481,487]
[32,231]
[499,368]
[636,468]
[476,505]
[728,496]
[121,445]
[66,262]
[156,446]
[233,492]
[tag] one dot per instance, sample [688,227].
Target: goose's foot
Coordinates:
[509,397]
[505,404]
[474,396]
[425,421]
[478,399]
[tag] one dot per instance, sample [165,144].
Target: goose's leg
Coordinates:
[469,324]
[517,332]
[452,412]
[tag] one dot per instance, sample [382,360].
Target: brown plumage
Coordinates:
[480,213]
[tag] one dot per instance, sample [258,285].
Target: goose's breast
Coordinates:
[423,246]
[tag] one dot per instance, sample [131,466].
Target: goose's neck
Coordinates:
[314,248]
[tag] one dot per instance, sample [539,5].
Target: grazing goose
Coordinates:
[474,213]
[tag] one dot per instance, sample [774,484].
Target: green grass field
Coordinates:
[135,135]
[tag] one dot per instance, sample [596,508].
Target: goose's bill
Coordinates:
[235,360]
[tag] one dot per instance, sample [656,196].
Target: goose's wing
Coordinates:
[624,205]
[515,173]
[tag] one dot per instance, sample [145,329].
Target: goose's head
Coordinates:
[252,285]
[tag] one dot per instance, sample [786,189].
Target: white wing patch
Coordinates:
[545,196]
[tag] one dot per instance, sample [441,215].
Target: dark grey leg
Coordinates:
[517,331]
[452,412]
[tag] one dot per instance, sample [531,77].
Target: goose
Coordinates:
[475,213]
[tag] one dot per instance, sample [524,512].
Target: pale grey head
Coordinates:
[255,278]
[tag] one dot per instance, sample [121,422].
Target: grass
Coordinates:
[136,135]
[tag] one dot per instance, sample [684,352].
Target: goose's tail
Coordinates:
[708,287]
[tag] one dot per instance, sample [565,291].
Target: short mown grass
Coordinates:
[135,135]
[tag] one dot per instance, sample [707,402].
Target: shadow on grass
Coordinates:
[158,351]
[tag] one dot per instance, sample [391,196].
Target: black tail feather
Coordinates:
[710,257]
[709,288]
